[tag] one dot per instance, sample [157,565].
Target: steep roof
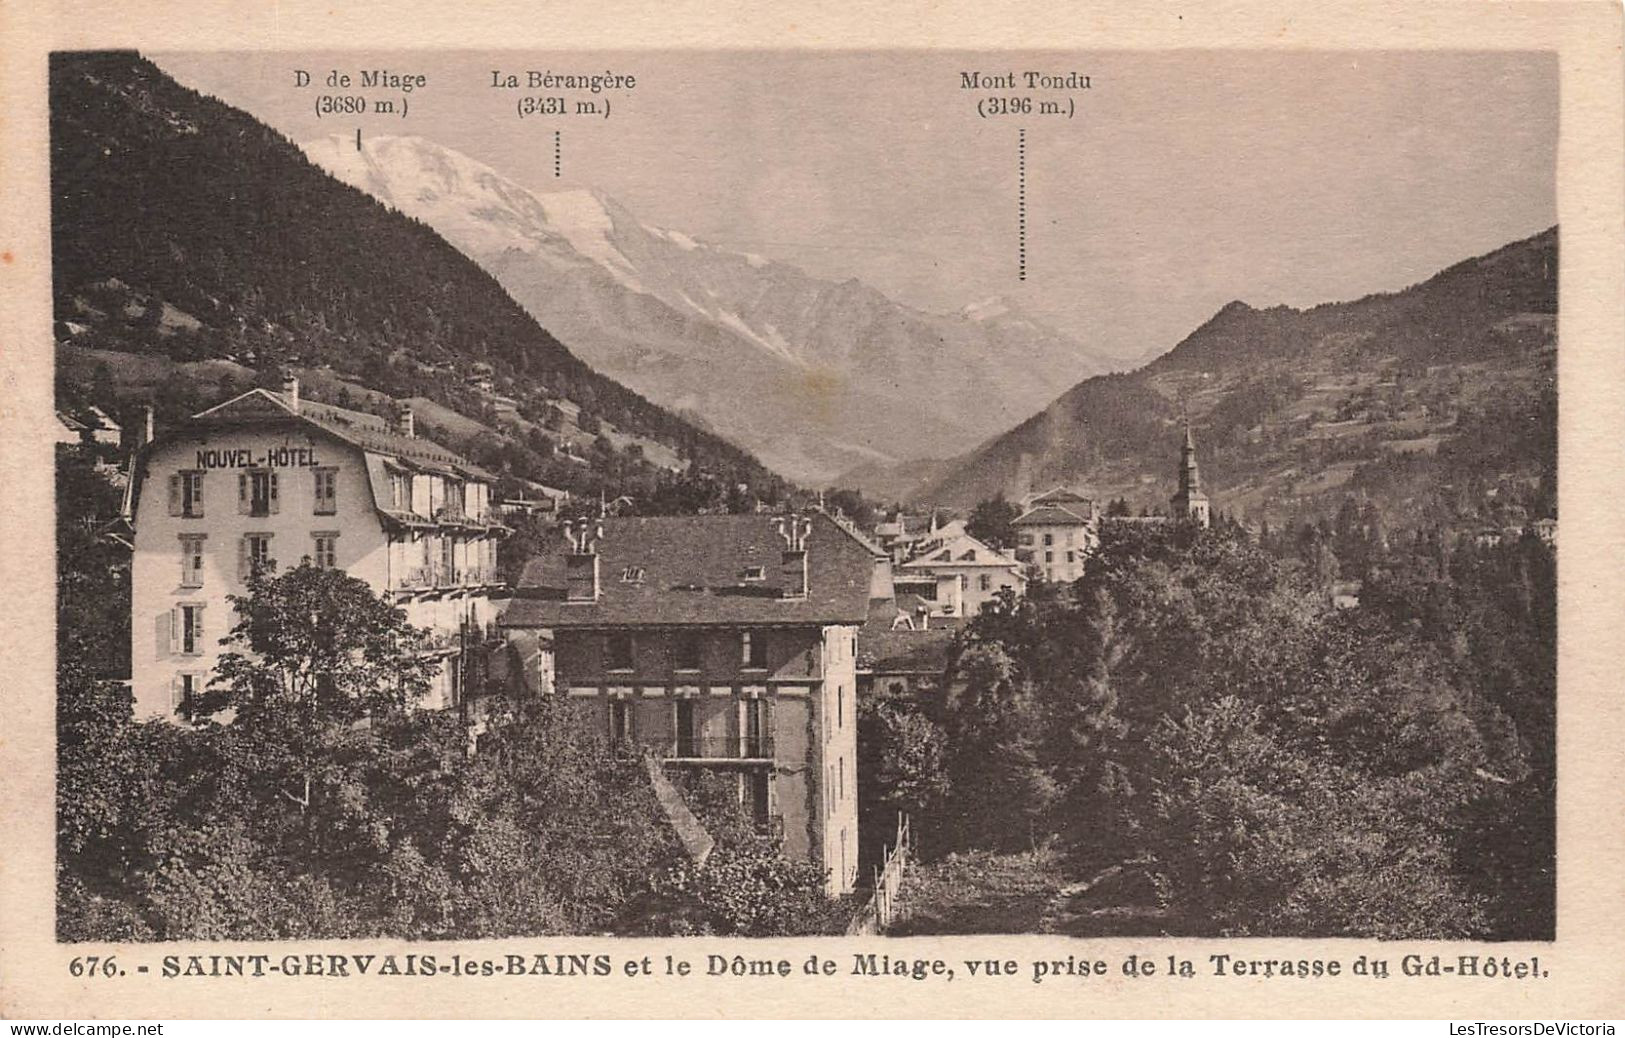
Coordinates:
[677,570]
[366,431]
[1050,515]
[1057,496]
[963,550]
[884,651]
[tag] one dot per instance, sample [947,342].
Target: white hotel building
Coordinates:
[266,477]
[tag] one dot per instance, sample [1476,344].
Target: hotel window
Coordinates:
[400,485]
[185,687]
[759,797]
[1049,556]
[186,625]
[327,490]
[752,650]
[618,651]
[1071,556]
[620,720]
[192,560]
[448,560]
[984,582]
[257,493]
[325,555]
[753,728]
[684,725]
[1049,539]
[253,554]
[687,651]
[186,494]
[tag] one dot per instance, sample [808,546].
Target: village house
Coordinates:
[267,478]
[967,573]
[720,642]
[906,663]
[903,536]
[88,425]
[1055,534]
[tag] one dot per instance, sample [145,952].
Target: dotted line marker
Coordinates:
[1021,205]
[558,160]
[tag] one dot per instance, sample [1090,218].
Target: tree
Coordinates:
[314,653]
[903,758]
[990,522]
[745,886]
[1247,837]
[1004,793]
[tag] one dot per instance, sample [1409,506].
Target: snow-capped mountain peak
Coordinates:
[986,309]
[813,375]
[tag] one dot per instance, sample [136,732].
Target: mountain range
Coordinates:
[1438,402]
[813,376]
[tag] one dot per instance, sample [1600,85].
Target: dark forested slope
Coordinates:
[186,228]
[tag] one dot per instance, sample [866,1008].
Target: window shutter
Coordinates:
[186,564]
[242,559]
[242,493]
[275,503]
[197,630]
[175,695]
[197,500]
[174,630]
[175,495]
[766,740]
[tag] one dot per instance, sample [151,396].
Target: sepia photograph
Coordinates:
[762,493]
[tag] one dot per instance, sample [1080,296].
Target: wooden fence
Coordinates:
[885,906]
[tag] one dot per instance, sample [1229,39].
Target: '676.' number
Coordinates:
[93,966]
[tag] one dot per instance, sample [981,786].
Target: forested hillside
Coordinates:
[1437,402]
[186,229]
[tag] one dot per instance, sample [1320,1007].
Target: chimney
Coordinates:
[406,424]
[581,581]
[793,562]
[146,426]
[290,390]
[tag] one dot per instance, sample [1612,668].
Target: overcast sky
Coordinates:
[1187,179]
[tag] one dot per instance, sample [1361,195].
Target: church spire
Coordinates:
[1189,502]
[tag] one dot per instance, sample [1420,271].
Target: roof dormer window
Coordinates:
[755,573]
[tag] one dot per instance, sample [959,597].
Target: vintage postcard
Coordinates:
[791,514]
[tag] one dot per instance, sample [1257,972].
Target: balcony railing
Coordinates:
[717,748]
[425,577]
[461,516]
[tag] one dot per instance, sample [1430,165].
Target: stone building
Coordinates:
[268,478]
[725,643]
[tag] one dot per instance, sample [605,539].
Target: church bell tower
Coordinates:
[1190,503]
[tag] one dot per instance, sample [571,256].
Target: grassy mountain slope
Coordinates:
[1439,401]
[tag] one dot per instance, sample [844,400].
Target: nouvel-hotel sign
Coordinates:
[246,458]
